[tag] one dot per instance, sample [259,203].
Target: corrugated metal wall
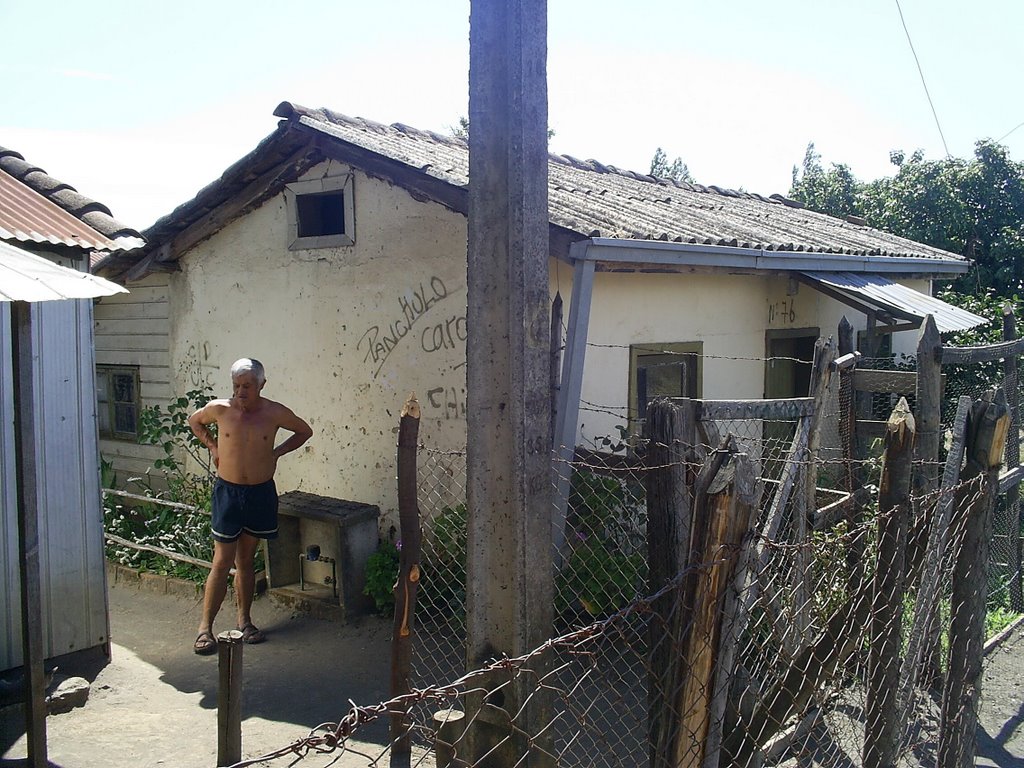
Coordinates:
[73,588]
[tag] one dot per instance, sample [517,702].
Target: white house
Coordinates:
[335,252]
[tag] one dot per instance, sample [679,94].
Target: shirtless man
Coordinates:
[244,495]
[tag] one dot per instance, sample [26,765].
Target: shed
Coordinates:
[43,223]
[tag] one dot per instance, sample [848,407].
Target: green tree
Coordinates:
[973,207]
[663,169]
[461,129]
[834,192]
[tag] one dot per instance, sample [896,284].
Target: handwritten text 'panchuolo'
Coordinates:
[379,341]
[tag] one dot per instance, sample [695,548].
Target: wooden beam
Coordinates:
[982,354]
[785,409]
[264,186]
[33,649]
[873,380]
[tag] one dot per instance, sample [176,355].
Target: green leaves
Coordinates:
[974,208]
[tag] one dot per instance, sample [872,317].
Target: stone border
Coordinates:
[158,584]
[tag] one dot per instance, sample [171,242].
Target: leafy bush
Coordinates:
[601,579]
[606,560]
[185,532]
[381,575]
[443,566]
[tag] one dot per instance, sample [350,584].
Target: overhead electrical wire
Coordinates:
[925,84]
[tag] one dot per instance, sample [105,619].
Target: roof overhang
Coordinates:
[27,277]
[621,254]
[894,302]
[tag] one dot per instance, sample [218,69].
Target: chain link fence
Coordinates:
[811,635]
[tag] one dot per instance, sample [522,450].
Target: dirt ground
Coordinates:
[155,703]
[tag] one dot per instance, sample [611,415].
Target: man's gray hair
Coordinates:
[249,365]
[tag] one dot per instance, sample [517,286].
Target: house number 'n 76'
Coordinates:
[783,311]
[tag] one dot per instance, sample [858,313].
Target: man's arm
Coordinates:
[198,422]
[301,432]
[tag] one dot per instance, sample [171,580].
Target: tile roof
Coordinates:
[35,207]
[587,199]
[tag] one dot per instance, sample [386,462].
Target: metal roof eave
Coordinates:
[660,252]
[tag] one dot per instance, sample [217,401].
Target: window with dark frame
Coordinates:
[321,213]
[662,370]
[117,394]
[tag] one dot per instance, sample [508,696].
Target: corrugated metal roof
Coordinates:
[27,277]
[885,294]
[27,216]
[586,198]
[597,200]
[62,196]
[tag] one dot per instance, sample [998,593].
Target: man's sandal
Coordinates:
[250,634]
[205,643]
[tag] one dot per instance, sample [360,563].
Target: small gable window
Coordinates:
[320,213]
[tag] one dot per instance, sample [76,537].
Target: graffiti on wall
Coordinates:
[450,401]
[379,341]
[197,368]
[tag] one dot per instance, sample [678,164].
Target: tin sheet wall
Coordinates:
[73,579]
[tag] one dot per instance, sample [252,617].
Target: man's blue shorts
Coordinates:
[248,508]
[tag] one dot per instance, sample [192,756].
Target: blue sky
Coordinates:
[140,104]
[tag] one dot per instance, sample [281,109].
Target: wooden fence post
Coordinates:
[847,408]
[882,730]
[229,697]
[670,430]
[732,501]
[987,429]
[1011,386]
[929,592]
[408,569]
[928,415]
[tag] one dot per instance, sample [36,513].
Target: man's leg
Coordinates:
[245,578]
[216,583]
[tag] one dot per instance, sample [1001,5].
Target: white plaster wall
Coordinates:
[729,314]
[345,333]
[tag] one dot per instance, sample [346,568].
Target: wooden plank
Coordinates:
[1011,478]
[149,359]
[138,294]
[982,354]
[787,409]
[803,586]
[144,310]
[897,382]
[131,327]
[148,343]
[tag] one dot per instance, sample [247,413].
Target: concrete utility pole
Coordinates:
[509,579]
